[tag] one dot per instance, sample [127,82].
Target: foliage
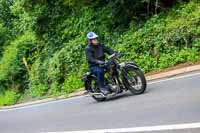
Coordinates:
[164,38]
[72,83]
[8,98]
[12,68]
[42,42]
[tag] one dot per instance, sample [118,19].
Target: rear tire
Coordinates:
[132,85]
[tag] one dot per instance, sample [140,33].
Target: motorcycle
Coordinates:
[119,77]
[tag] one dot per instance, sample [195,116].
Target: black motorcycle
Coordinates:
[119,77]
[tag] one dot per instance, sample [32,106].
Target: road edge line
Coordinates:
[139,129]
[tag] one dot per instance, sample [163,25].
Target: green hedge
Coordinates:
[165,40]
[42,46]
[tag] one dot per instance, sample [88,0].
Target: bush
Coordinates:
[165,40]
[38,90]
[12,68]
[42,43]
[38,78]
[72,83]
[55,89]
[8,98]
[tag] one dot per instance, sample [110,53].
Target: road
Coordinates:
[173,101]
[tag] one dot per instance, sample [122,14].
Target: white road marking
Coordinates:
[140,129]
[174,78]
[41,104]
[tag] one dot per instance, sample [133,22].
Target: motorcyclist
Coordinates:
[95,55]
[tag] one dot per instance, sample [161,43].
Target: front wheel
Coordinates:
[135,80]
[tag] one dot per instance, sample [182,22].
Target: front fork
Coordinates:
[117,80]
[124,77]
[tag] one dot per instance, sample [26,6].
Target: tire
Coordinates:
[130,84]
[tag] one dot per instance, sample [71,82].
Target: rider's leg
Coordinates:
[99,72]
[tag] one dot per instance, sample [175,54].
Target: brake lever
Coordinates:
[119,55]
[111,56]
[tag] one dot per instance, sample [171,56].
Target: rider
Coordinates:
[95,55]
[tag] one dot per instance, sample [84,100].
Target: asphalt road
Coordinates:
[167,102]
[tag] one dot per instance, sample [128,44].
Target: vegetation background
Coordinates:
[42,41]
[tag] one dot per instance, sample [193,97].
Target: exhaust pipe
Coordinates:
[97,94]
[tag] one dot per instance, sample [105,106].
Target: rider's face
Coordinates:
[94,41]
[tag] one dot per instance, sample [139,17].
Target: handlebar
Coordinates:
[115,55]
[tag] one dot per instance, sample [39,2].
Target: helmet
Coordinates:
[91,35]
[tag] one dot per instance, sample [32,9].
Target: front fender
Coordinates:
[88,76]
[126,64]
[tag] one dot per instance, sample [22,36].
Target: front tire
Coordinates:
[135,80]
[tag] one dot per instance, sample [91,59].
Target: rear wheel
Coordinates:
[135,80]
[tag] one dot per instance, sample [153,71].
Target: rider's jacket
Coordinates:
[96,53]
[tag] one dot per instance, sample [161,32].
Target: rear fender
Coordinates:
[88,76]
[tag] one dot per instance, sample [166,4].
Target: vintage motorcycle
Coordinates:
[119,77]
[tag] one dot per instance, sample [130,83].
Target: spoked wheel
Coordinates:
[135,80]
[98,97]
